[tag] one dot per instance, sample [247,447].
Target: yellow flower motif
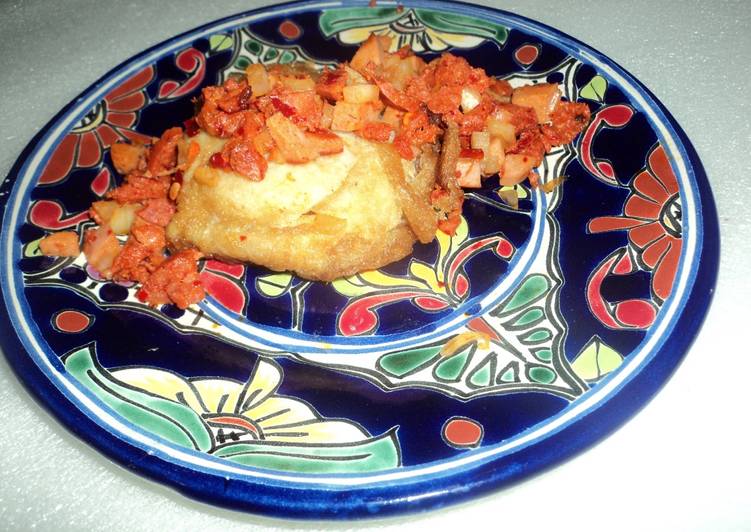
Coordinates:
[409,31]
[237,412]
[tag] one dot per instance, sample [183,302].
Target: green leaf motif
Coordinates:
[532,288]
[462,24]
[375,454]
[242,63]
[254,47]
[510,373]
[334,21]
[287,57]
[483,374]
[270,54]
[451,369]
[274,285]
[536,336]
[595,89]
[596,360]
[402,363]
[541,374]
[529,318]
[220,42]
[545,354]
[172,421]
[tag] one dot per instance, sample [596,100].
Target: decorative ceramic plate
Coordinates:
[372,394]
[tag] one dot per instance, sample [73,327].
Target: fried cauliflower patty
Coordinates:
[335,216]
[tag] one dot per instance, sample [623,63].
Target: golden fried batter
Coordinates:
[335,216]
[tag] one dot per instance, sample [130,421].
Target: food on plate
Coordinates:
[330,217]
[325,173]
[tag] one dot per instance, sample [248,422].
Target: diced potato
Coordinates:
[101,248]
[262,142]
[258,79]
[503,130]
[542,97]
[330,83]
[412,65]
[354,77]
[123,218]
[398,71]
[393,117]
[480,140]
[371,111]
[62,244]
[371,51]
[298,82]
[126,157]
[470,99]
[469,173]
[494,157]
[361,93]
[103,210]
[516,168]
[346,116]
[327,115]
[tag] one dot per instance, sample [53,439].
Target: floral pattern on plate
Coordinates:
[474,362]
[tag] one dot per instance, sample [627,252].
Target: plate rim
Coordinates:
[362,505]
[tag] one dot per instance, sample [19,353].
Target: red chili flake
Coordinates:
[142,295]
[470,153]
[286,109]
[243,238]
[191,127]
[218,161]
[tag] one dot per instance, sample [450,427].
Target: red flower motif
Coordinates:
[109,121]
[652,217]
[224,282]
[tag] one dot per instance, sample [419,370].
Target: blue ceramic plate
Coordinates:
[477,361]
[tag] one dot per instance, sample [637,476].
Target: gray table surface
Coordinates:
[681,464]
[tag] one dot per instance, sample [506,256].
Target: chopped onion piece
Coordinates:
[509,196]
[494,157]
[361,93]
[469,173]
[542,98]
[480,140]
[258,79]
[516,168]
[503,130]
[550,186]
[470,99]
[453,346]
[123,217]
